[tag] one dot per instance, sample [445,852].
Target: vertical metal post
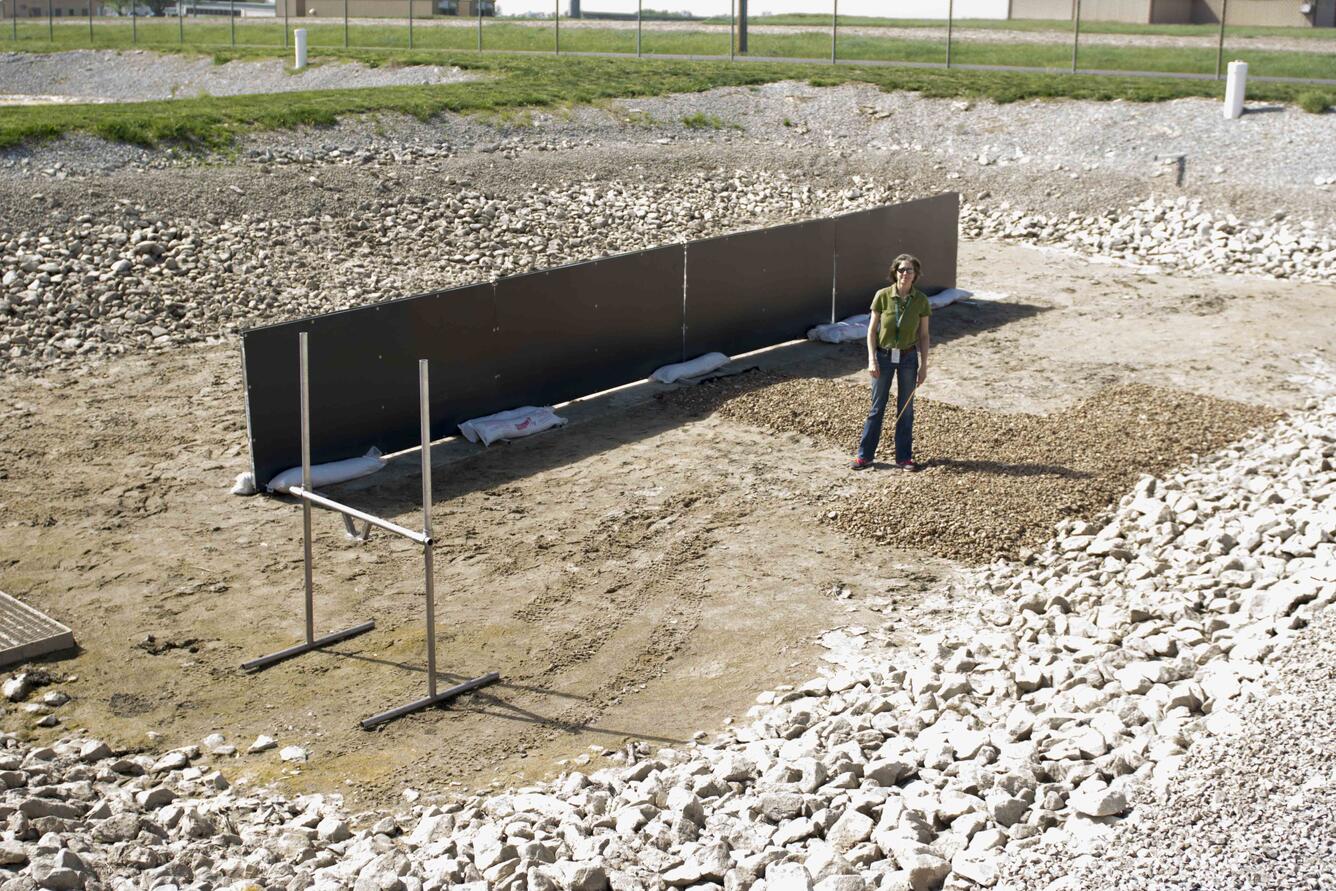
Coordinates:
[640,11]
[286,31]
[1220,46]
[181,21]
[556,22]
[410,24]
[232,19]
[950,12]
[834,27]
[14,17]
[479,25]
[50,22]
[306,483]
[90,20]
[134,23]
[345,24]
[1076,32]
[732,28]
[424,410]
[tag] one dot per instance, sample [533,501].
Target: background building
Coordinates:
[1292,13]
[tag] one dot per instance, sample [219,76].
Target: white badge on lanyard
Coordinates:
[895,351]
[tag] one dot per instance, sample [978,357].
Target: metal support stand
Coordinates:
[433,697]
[350,515]
[312,642]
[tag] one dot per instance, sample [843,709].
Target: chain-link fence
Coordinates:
[967,34]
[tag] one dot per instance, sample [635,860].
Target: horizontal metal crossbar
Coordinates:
[444,696]
[272,658]
[347,511]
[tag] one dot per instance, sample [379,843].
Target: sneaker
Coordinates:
[908,465]
[860,464]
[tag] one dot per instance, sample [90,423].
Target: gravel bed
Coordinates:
[1251,810]
[155,253]
[999,483]
[141,75]
[1130,654]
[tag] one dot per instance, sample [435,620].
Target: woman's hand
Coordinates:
[872,370]
[922,374]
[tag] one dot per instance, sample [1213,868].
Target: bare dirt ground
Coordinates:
[636,576]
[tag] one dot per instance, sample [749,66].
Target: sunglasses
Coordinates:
[905,270]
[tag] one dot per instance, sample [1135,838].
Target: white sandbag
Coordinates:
[670,374]
[244,484]
[852,328]
[512,424]
[947,297]
[328,474]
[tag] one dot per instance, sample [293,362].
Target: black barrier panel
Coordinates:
[364,376]
[579,329]
[755,289]
[867,241]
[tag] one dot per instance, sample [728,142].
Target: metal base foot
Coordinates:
[266,661]
[457,690]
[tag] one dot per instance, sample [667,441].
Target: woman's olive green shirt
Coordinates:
[909,310]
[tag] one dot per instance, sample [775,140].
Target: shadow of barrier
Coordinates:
[547,337]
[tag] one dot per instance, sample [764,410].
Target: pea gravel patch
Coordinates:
[994,484]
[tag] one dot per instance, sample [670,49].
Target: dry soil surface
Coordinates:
[637,575]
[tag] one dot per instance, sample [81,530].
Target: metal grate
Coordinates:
[26,633]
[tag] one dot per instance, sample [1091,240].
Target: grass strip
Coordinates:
[799,43]
[822,20]
[513,82]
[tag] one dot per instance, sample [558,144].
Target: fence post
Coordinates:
[479,25]
[410,24]
[1220,46]
[732,29]
[134,24]
[1076,32]
[181,21]
[14,16]
[556,25]
[345,24]
[90,21]
[285,22]
[50,22]
[950,12]
[834,27]
[232,19]
[640,11]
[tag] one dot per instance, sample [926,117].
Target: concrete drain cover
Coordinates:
[26,633]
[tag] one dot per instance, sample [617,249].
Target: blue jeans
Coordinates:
[907,373]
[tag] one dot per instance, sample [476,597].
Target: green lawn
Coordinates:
[541,37]
[518,81]
[1061,25]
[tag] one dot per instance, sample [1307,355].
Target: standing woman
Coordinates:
[897,347]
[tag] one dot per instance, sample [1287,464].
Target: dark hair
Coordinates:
[906,258]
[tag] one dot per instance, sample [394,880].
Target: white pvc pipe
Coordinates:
[300,62]
[1235,84]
